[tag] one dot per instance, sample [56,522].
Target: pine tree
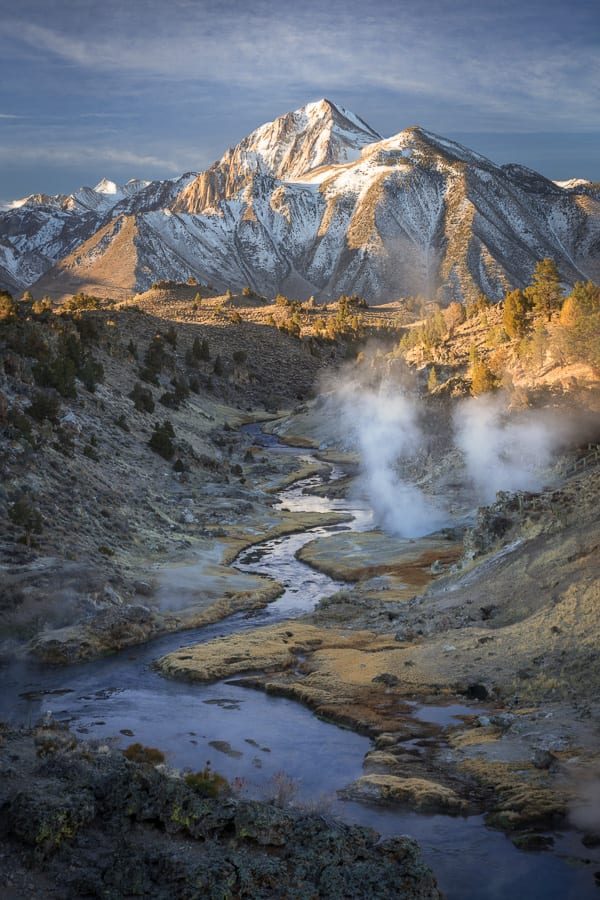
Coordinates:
[580,324]
[544,291]
[482,378]
[161,439]
[24,515]
[8,307]
[514,317]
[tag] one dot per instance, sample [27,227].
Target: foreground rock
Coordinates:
[79,820]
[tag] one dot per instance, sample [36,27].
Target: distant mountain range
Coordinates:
[314,203]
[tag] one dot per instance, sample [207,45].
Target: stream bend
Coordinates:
[252,736]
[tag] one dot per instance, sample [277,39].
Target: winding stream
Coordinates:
[251,736]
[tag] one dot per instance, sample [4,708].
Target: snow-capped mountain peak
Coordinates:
[105,195]
[134,185]
[287,149]
[105,186]
[325,108]
[317,134]
[572,183]
[33,200]
[417,142]
[314,203]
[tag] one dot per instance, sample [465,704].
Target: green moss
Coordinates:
[53,831]
[184,820]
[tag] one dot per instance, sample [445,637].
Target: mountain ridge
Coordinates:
[315,203]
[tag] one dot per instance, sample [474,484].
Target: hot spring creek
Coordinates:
[255,737]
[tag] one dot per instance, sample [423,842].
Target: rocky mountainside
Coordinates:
[319,134]
[314,203]
[38,231]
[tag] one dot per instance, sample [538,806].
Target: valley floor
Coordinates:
[471,659]
[510,632]
[502,646]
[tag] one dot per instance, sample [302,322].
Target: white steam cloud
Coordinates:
[501,450]
[504,453]
[384,424]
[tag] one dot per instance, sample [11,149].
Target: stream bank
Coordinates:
[122,695]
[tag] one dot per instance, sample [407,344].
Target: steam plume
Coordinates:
[391,425]
[502,453]
[384,424]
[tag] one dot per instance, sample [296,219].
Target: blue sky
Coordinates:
[152,89]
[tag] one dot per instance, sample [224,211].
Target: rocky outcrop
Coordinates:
[79,820]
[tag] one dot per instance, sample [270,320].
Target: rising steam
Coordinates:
[390,426]
[502,453]
[384,423]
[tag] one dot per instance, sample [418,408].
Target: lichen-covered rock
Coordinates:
[265,825]
[83,821]
[45,821]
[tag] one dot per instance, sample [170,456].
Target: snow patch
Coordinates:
[572,183]
[107,187]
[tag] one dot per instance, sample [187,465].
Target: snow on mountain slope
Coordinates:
[315,135]
[314,203]
[151,195]
[318,134]
[405,219]
[40,230]
[573,183]
[32,200]
[105,195]
[39,234]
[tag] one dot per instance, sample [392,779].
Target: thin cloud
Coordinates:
[74,155]
[170,86]
[471,59]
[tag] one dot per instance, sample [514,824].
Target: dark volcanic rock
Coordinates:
[79,820]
